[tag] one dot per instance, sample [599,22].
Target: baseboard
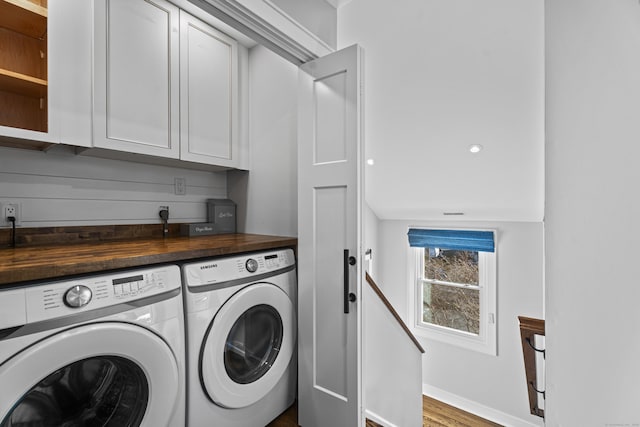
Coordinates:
[477,408]
[378,419]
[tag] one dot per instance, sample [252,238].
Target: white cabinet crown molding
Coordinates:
[268,25]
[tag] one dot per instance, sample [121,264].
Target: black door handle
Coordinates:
[348,296]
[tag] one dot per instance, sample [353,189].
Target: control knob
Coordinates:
[77,296]
[251,265]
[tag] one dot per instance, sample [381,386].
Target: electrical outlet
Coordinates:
[180,186]
[11,209]
[164,213]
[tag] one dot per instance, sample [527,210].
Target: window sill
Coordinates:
[467,341]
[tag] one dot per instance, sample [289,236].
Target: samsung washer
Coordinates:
[241,338]
[104,350]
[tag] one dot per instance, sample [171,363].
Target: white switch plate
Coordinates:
[180,186]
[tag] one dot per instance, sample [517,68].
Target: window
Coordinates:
[453,287]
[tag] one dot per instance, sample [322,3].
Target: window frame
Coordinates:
[485,341]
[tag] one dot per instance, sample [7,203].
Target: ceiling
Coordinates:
[441,77]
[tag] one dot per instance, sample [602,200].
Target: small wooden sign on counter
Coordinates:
[200,229]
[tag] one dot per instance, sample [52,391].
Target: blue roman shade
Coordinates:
[462,240]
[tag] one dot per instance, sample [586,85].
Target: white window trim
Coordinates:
[485,341]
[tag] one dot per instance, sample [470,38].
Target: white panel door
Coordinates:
[329,228]
[208,94]
[136,107]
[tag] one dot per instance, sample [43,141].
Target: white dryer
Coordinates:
[102,350]
[241,338]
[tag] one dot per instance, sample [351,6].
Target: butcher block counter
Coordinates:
[56,260]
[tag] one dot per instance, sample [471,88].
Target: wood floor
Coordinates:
[434,414]
[288,419]
[438,414]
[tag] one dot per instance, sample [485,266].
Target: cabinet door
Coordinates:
[70,47]
[136,77]
[208,94]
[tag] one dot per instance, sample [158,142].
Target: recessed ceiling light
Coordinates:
[370,162]
[475,148]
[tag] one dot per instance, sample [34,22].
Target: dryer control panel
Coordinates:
[219,270]
[57,299]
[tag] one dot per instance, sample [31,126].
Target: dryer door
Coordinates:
[103,374]
[248,346]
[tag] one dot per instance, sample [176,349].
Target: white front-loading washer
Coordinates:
[241,338]
[100,350]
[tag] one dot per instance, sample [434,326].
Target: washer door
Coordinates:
[104,374]
[248,346]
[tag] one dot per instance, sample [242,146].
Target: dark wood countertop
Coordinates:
[56,261]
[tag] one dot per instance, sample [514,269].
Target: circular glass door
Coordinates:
[253,344]
[98,391]
[248,346]
[105,374]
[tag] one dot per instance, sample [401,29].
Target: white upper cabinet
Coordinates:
[45,73]
[208,94]
[153,84]
[136,87]
[166,85]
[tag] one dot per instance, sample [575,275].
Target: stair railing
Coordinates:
[395,314]
[529,329]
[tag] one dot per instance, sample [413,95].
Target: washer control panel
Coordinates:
[55,299]
[218,270]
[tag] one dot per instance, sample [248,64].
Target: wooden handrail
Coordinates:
[395,314]
[529,328]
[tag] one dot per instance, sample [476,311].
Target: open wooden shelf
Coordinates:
[24,17]
[22,84]
[23,64]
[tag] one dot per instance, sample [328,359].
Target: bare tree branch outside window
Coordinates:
[455,304]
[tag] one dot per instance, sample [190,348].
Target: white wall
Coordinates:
[441,75]
[593,207]
[267,196]
[59,188]
[392,363]
[491,386]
